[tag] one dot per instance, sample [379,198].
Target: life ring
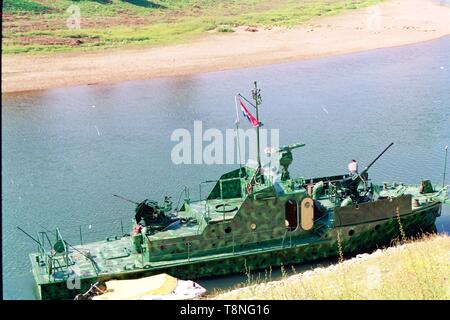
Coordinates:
[249,188]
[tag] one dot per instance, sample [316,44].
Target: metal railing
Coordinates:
[96,231]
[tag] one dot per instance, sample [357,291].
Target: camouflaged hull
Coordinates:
[237,229]
[366,237]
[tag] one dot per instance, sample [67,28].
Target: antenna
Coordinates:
[29,235]
[445,166]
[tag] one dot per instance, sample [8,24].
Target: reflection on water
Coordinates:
[66,151]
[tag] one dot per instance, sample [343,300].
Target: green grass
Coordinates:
[24,6]
[225,28]
[413,270]
[141,22]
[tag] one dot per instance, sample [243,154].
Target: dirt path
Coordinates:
[393,23]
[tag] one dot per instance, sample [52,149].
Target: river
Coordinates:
[65,151]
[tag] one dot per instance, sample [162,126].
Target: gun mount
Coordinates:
[350,184]
[286,158]
[150,214]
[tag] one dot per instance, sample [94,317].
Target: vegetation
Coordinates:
[413,270]
[21,6]
[41,25]
[225,28]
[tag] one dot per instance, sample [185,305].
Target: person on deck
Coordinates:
[353,167]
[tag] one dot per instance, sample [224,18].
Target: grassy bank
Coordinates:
[41,25]
[415,270]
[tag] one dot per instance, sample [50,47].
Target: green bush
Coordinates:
[224,29]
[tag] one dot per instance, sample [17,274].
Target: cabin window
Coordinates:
[291,215]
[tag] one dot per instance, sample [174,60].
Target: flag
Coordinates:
[249,116]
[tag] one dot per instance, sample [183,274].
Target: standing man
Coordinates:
[353,167]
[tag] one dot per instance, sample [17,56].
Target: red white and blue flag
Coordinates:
[251,118]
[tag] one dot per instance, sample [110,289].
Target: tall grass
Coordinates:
[412,269]
[400,225]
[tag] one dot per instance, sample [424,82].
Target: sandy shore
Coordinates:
[393,23]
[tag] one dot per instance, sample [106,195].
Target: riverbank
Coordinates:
[48,26]
[391,23]
[415,270]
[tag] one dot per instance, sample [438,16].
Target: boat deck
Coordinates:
[116,256]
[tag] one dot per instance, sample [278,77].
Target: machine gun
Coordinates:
[150,214]
[351,183]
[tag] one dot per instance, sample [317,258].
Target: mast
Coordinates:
[237,134]
[256,93]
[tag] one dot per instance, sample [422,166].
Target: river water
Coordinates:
[66,151]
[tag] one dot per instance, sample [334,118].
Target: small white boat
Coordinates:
[158,287]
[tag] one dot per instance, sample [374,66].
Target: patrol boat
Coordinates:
[248,221]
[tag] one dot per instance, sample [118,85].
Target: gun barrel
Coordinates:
[291,147]
[120,197]
[355,177]
[371,164]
